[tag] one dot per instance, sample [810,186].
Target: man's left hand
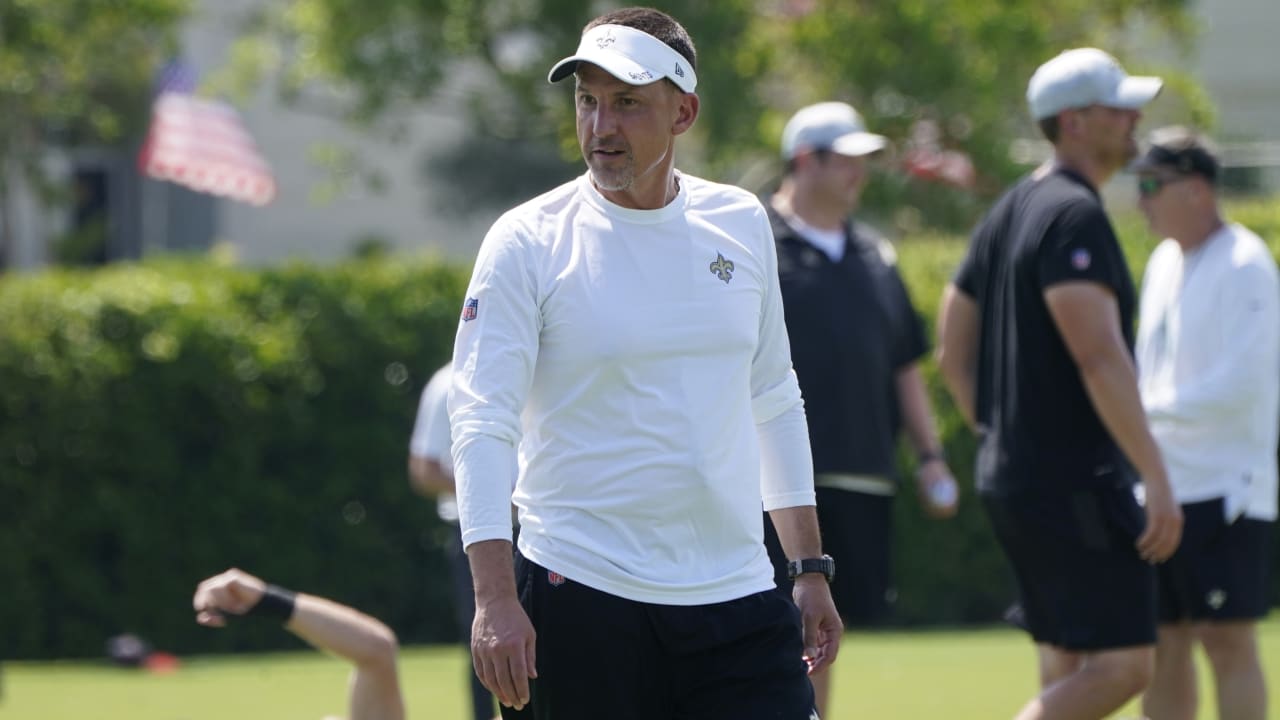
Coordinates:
[821,622]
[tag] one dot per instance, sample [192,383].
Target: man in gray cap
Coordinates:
[856,342]
[625,333]
[1036,348]
[1209,371]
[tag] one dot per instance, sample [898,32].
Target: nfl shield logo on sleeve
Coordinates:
[1080,259]
[470,309]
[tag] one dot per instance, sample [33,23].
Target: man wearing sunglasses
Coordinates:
[1209,373]
[1036,349]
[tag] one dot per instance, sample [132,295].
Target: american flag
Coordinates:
[201,143]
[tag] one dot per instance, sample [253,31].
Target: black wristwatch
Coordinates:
[825,565]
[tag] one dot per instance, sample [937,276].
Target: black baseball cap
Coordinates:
[1181,150]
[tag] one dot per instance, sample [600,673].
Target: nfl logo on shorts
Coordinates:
[470,309]
[555,578]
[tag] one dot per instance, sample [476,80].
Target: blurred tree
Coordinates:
[490,60]
[960,65]
[73,72]
[959,68]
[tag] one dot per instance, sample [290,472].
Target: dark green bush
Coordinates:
[163,422]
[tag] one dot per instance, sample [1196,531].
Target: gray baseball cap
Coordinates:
[1087,76]
[833,126]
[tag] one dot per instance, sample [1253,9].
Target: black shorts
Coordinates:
[1219,571]
[602,656]
[856,529]
[1081,583]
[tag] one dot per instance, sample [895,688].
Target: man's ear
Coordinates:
[1202,191]
[686,113]
[1070,122]
[807,157]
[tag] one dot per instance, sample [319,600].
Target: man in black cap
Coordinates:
[1208,354]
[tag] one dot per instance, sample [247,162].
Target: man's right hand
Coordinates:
[1164,522]
[234,591]
[503,650]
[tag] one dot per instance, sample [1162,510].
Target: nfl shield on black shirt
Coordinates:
[1039,430]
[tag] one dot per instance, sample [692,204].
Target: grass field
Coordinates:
[960,675]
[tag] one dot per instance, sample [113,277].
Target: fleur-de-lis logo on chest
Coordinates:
[722,268]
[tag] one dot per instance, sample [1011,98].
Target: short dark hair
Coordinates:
[821,154]
[1181,150]
[1050,128]
[654,22]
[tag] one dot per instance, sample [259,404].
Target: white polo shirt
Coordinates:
[1208,352]
[639,360]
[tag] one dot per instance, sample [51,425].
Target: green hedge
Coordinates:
[161,422]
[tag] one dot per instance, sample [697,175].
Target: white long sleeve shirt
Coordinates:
[639,362]
[431,438]
[1208,350]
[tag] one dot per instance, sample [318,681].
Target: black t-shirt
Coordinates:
[1040,431]
[852,328]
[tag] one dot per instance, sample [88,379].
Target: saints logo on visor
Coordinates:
[633,56]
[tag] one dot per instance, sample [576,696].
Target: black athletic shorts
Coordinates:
[1081,583]
[601,656]
[856,531]
[1219,571]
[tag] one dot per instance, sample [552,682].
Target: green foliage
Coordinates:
[962,65]
[162,422]
[75,72]
[1261,215]
[946,572]
[105,54]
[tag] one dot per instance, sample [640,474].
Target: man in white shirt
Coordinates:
[622,374]
[1208,353]
[431,475]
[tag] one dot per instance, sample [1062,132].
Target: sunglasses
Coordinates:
[1149,185]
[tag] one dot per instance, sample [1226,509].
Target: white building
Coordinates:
[306,220]
[1237,60]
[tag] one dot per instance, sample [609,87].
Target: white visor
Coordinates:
[632,56]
